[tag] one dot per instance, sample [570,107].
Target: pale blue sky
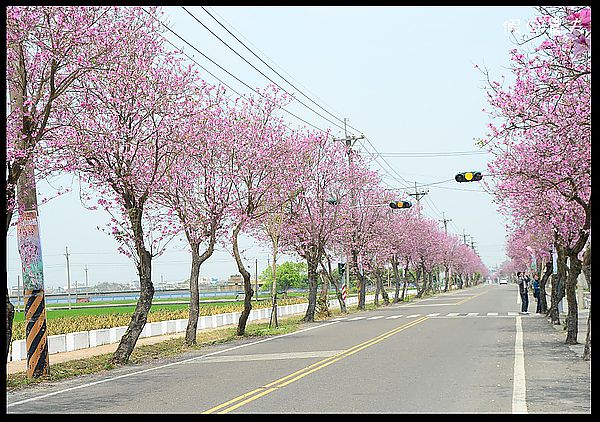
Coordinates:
[403,76]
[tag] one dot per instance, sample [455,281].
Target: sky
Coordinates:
[404,77]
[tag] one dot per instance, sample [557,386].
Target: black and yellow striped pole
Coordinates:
[30,251]
[37,338]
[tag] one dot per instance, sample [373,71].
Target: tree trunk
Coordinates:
[587,271]
[394,263]
[405,284]
[362,285]
[273,319]
[192,326]
[558,285]
[570,288]
[197,261]
[422,289]
[10,313]
[248,292]
[338,290]
[446,277]
[586,265]
[323,302]
[587,350]
[144,303]
[543,281]
[332,280]
[381,288]
[312,263]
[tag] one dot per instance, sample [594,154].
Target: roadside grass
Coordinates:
[172,347]
[147,353]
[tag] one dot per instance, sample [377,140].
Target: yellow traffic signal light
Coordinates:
[468,176]
[400,204]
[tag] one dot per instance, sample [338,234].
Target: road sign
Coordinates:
[344,292]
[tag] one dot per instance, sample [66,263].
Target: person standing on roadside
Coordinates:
[523,285]
[536,292]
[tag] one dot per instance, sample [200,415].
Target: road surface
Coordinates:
[468,351]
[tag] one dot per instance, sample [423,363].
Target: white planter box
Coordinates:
[116,333]
[78,340]
[99,337]
[57,344]
[19,350]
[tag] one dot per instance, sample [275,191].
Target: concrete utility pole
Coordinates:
[87,290]
[418,195]
[445,221]
[30,245]
[350,141]
[30,250]
[68,277]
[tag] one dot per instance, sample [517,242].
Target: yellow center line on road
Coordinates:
[239,401]
[469,298]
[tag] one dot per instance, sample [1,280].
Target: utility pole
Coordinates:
[30,250]
[256,277]
[418,195]
[473,246]
[445,221]
[350,140]
[87,290]
[464,237]
[68,277]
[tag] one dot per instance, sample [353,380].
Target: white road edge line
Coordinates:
[519,402]
[161,367]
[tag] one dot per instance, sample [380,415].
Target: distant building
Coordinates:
[236,283]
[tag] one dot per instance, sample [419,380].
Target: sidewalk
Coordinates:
[582,320]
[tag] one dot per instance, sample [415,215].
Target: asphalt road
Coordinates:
[468,351]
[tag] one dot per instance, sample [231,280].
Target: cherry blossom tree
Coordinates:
[262,164]
[123,135]
[48,49]
[316,214]
[197,187]
[543,140]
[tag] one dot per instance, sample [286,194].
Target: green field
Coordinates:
[88,308]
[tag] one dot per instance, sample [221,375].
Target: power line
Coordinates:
[432,154]
[232,75]
[266,64]
[405,183]
[254,67]
[399,178]
[271,60]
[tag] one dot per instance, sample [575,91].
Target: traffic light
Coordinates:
[341,267]
[468,176]
[400,204]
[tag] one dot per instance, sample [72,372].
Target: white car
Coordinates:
[503,281]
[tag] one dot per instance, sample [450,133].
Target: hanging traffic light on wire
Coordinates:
[468,176]
[400,204]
